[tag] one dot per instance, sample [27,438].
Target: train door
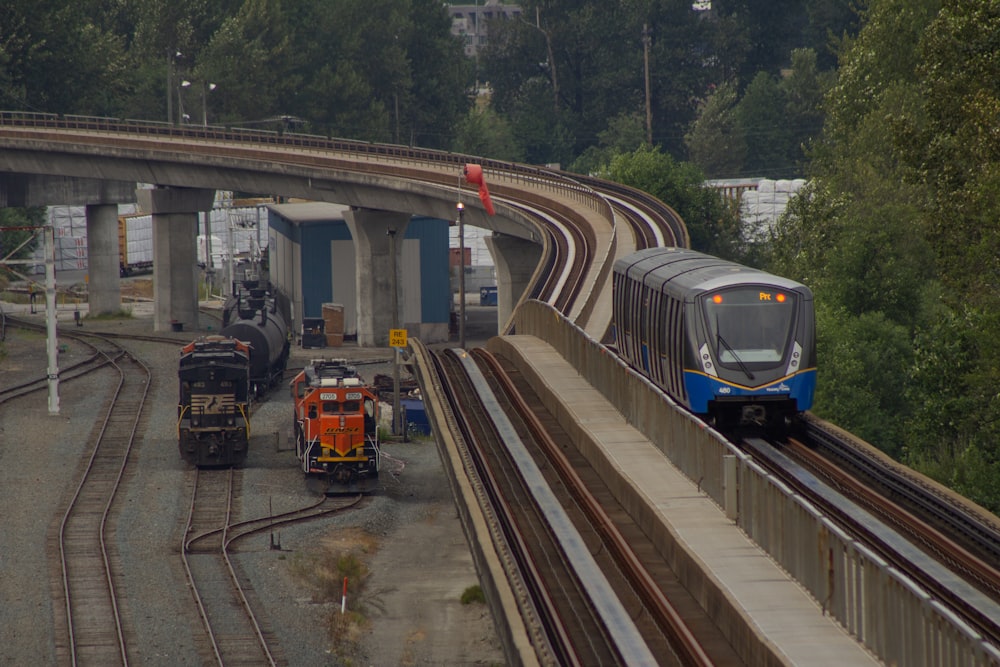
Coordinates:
[643,328]
[674,347]
[630,289]
[655,336]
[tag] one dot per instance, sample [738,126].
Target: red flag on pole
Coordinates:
[474,175]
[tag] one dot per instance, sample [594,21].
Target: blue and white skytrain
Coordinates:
[730,343]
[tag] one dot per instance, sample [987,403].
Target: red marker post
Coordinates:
[343,598]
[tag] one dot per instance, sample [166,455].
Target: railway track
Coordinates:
[973,535]
[233,632]
[901,535]
[94,631]
[568,625]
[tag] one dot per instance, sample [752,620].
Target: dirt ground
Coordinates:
[408,537]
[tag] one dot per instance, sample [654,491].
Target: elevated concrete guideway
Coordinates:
[45,151]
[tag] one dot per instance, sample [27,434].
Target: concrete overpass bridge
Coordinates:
[97,162]
[555,238]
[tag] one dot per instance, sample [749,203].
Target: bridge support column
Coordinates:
[175,252]
[101,199]
[516,260]
[104,281]
[373,247]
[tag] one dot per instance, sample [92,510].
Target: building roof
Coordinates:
[315,211]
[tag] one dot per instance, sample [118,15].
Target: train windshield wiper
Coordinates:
[743,367]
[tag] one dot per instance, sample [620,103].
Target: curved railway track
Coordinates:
[234,634]
[618,535]
[568,627]
[94,632]
[585,207]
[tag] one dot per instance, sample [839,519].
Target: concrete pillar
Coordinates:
[175,252]
[516,260]
[104,282]
[101,199]
[370,231]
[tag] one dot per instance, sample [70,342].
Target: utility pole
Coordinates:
[461,276]
[396,409]
[645,57]
[170,86]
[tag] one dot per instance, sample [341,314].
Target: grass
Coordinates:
[120,314]
[473,595]
[322,572]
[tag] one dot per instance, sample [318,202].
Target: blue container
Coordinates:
[488,296]
[416,416]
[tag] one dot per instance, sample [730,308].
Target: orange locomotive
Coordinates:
[336,427]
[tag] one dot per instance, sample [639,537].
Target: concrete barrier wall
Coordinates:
[514,635]
[876,603]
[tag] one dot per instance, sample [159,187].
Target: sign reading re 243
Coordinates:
[397,337]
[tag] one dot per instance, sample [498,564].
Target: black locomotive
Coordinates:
[213,410]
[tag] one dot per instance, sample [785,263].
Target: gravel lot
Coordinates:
[407,536]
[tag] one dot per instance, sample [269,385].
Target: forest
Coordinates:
[889,109]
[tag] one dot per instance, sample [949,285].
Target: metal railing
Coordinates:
[876,603]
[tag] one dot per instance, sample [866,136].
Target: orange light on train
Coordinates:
[717,298]
[781,298]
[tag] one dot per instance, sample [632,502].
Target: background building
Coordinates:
[470,21]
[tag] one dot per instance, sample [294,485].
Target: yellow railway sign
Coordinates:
[397,337]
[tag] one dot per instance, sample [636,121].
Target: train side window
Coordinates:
[312,411]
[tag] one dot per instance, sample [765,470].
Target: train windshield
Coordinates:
[750,325]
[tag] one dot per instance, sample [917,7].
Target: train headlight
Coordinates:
[796,357]
[706,361]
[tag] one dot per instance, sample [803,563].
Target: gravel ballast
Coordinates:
[407,535]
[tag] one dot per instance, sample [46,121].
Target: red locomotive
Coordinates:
[336,427]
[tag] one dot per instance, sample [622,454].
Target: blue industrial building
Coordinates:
[312,259]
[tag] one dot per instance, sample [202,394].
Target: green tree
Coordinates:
[870,355]
[804,89]
[247,59]
[626,132]
[717,141]
[577,64]
[765,127]
[898,238]
[712,225]
[56,59]
[771,29]
[380,70]
[483,132]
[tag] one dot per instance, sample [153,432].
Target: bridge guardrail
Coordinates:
[887,612]
[495,169]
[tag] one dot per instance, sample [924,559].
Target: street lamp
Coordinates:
[172,56]
[205,89]
[397,422]
[180,102]
[461,276]
[204,103]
